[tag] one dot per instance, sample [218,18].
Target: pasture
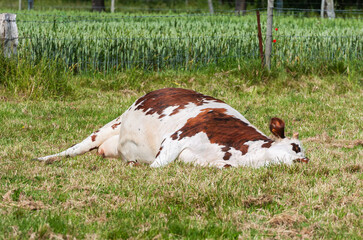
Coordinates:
[91,197]
[46,106]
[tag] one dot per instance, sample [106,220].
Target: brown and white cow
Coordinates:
[173,123]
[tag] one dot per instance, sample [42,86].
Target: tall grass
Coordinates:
[47,78]
[105,42]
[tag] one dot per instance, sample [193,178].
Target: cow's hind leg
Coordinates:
[92,142]
[109,148]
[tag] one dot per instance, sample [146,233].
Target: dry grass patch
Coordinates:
[21,201]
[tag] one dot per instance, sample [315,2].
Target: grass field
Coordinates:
[47,106]
[88,197]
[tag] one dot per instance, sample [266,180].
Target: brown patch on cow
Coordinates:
[93,137]
[222,129]
[227,166]
[227,154]
[302,160]
[161,148]
[296,148]
[277,127]
[115,125]
[267,145]
[97,131]
[157,101]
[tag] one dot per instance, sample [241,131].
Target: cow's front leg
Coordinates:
[168,152]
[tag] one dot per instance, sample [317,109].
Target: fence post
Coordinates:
[8,33]
[330,9]
[19,5]
[112,6]
[268,44]
[259,34]
[210,5]
[322,9]
[30,4]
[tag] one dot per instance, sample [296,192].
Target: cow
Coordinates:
[175,123]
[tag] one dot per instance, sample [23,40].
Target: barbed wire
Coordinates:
[111,19]
[301,14]
[195,37]
[144,38]
[319,36]
[183,15]
[87,18]
[316,10]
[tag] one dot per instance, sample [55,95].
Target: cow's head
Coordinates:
[285,150]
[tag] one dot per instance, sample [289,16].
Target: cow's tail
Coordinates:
[92,142]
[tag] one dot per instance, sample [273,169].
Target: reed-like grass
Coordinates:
[105,42]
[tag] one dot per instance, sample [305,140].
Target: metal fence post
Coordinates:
[30,4]
[8,33]
[268,44]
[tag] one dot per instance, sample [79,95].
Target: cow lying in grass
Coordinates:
[173,123]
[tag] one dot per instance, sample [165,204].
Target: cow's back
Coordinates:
[157,115]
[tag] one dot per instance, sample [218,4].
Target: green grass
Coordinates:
[86,41]
[46,106]
[91,197]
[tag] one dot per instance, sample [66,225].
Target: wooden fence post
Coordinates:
[330,9]
[112,6]
[8,33]
[210,5]
[259,35]
[322,9]
[268,44]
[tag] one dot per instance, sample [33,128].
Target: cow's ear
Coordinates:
[277,127]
